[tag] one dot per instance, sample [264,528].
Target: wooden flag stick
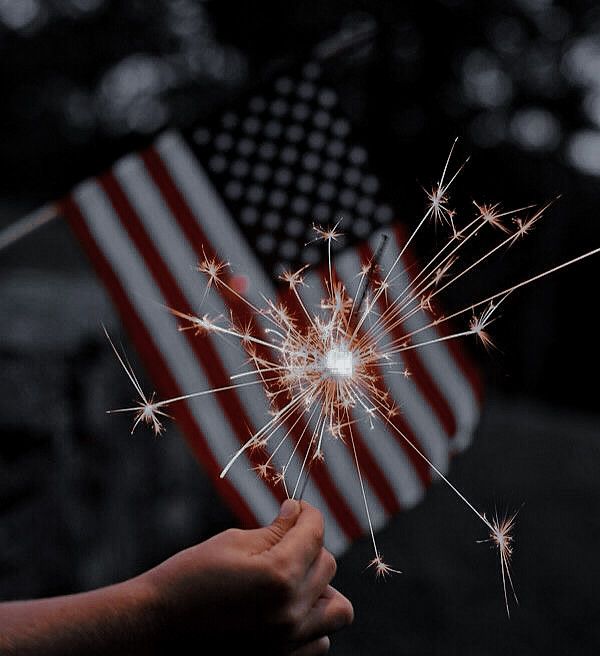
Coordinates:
[28,224]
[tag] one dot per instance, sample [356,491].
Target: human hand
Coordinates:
[265,589]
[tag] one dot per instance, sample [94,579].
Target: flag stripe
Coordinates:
[175,250]
[438,360]
[468,373]
[398,422]
[209,211]
[162,176]
[421,429]
[387,455]
[145,224]
[131,268]
[156,365]
[381,499]
[174,298]
[425,383]
[420,418]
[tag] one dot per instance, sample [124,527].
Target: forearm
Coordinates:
[119,619]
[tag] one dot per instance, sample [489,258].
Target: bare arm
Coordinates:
[118,619]
[266,589]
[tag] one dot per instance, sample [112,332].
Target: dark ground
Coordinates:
[449,598]
[82,504]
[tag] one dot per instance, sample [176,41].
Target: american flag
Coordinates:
[247,187]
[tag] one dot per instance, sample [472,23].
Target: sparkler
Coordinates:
[322,368]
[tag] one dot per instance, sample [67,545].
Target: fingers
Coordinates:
[305,538]
[296,534]
[265,538]
[285,520]
[318,577]
[330,613]
[314,648]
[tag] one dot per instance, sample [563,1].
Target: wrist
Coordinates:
[176,594]
[148,611]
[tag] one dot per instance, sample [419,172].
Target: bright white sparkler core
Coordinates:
[339,362]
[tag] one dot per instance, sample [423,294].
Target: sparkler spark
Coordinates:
[381,569]
[322,368]
[501,538]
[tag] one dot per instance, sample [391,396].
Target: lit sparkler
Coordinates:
[322,368]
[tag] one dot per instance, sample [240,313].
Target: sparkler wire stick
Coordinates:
[368,280]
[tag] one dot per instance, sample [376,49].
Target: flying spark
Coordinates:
[322,367]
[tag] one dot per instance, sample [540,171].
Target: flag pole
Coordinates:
[28,224]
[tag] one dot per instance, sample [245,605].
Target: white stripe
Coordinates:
[179,256]
[200,195]
[132,271]
[415,409]
[389,455]
[212,214]
[207,204]
[338,457]
[222,232]
[438,360]
[227,239]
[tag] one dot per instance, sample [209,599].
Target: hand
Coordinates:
[261,590]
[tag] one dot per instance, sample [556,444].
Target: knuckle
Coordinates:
[318,647]
[331,564]
[318,532]
[294,615]
[282,582]
[287,571]
[277,529]
[232,534]
[315,516]
[290,618]
[347,612]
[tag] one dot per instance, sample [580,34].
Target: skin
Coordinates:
[264,590]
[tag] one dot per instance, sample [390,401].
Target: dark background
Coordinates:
[84,81]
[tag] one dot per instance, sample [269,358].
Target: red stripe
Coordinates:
[202,348]
[419,465]
[369,467]
[465,364]
[287,297]
[422,377]
[198,240]
[155,363]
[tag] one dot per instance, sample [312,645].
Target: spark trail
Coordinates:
[322,367]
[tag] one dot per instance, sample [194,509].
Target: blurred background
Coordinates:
[82,504]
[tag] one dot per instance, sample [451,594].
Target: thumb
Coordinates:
[287,517]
